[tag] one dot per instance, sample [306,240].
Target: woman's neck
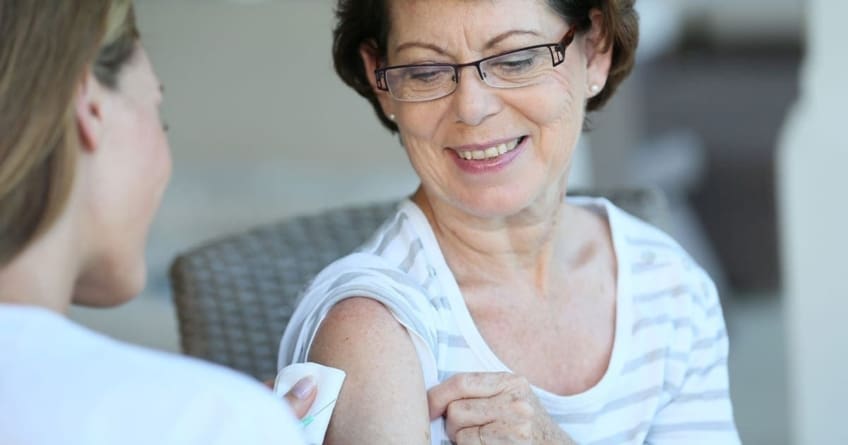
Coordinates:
[520,249]
[45,273]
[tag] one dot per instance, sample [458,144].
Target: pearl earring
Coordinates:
[391,117]
[595,88]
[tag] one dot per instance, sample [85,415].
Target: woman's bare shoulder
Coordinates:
[383,399]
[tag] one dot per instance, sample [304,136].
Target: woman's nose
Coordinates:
[473,99]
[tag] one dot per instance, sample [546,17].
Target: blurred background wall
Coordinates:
[261,129]
[812,158]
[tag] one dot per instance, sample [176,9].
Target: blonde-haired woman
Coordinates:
[83,163]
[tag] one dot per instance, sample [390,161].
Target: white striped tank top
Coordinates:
[666,382]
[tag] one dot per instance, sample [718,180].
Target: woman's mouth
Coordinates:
[490,152]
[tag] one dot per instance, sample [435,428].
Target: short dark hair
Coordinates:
[359,21]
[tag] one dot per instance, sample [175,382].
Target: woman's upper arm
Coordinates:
[383,400]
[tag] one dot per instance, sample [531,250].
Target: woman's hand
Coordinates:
[493,408]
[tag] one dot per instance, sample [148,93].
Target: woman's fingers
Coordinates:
[491,408]
[473,385]
[469,413]
[469,436]
[496,433]
[500,406]
[503,408]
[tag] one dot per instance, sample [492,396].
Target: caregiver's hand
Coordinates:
[301,397]
[491,409]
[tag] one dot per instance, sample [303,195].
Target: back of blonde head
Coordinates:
[46,49]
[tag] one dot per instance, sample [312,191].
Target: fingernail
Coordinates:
[303,387]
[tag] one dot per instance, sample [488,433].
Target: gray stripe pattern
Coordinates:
[345,278]
[705,396]
[441,302]
[587,418]
[414,250]
[401,279]
[450,340]
[641,242]
[639,268]
[693,426]
[713,311]
[654,356]
[707,343]
[671,390]
[428,282]
[706,369]
[677,323]
[624,436]
[699,299]
[391,234]
[675,291]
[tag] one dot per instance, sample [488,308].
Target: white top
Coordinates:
[667,378]
[61,383]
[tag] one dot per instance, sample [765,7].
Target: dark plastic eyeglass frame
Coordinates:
[557,49]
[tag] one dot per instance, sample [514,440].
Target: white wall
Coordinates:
[812,197]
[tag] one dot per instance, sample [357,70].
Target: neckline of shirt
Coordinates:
[553,402]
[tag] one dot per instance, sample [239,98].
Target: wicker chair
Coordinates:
[235,295]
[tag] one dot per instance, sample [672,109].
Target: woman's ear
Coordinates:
[370,60]
[88,109]
[598,47]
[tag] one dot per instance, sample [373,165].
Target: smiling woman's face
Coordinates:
[525,136]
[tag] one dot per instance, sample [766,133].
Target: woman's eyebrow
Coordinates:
[415,44]
[503,36]
[489,45]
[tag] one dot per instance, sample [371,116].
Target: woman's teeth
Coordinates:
[489,153]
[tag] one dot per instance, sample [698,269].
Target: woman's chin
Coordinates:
[107,289]
[495,205]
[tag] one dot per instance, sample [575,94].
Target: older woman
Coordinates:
[83,163]
[530,318]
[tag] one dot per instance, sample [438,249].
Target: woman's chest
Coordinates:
[561,350]
[560,356]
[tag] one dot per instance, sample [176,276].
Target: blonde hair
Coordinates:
[46,48]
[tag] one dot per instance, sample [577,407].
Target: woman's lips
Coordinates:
[493,150]
[481,159]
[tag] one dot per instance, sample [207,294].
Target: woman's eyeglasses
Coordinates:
[513,69]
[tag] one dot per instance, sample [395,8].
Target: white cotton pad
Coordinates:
[329,381]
